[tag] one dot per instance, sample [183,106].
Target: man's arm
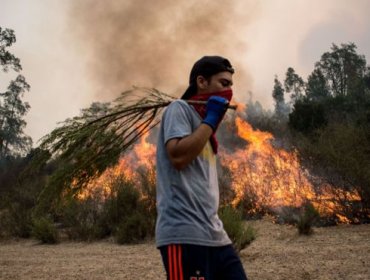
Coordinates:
[182,151]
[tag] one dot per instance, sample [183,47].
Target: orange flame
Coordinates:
[274,177]
[141,156]
[271,177]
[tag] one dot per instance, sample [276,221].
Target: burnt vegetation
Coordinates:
[326,119]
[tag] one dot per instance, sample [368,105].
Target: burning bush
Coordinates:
[265,178]
[115,205]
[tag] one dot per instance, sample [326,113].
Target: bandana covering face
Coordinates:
[201,109]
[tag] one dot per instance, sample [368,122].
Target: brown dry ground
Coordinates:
[340,252]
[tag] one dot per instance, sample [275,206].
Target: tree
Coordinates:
[337,89]
[278,96]
[333,121]
[13,141]
[317,88]
[294,84]
[367,80]
[344,70]
[307,116]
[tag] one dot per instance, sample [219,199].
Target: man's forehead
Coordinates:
[224,75]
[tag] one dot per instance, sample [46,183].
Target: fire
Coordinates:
[266,177]
[141,156]
[272,178]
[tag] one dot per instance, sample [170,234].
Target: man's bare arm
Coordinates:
[182,151]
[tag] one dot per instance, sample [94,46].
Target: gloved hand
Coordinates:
[215,111]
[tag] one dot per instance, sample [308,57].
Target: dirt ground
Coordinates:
[340,252]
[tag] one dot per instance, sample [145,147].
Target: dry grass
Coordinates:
[279,252]
[341,252]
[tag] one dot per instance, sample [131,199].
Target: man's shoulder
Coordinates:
[179,103]
[178,106]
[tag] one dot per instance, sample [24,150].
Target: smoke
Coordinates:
[155,43]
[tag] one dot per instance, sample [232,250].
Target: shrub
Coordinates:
[82,220]
[15,220]
[307,219]
[122,203]
[128,213]
[20,186]
[6,223]
[133,229]
[147,177]
[227,194]
[249,204]
[44,230]
[345,148]
[131,218]
[240,235]
[338,155]
[307,116]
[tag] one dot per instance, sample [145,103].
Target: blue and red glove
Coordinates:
[215,111]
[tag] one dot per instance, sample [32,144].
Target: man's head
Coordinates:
[209,74]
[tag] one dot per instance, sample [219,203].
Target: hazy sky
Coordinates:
[74,52]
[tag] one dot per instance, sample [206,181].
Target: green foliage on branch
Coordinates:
[86,145]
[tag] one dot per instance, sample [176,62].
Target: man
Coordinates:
[189,233]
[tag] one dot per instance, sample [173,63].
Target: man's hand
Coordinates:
[216,109]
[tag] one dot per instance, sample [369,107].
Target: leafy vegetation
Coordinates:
[88,144]
[21,184]
[43,229]
[240,234]
[307,219]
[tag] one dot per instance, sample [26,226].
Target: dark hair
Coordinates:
[207,66]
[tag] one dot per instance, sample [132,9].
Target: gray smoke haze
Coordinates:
[77,52]
[155,43]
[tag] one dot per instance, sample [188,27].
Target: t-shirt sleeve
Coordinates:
[176,121]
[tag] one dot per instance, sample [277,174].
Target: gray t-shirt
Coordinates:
[187,200]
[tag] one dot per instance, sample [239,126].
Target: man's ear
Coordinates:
[202,82]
